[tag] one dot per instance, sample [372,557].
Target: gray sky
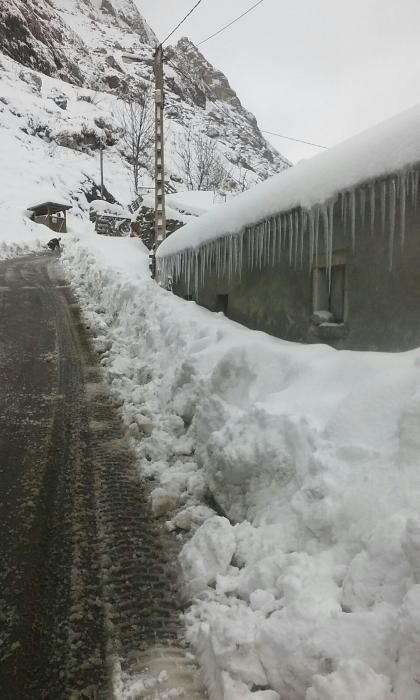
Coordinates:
[320,70]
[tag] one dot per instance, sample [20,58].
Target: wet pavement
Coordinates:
[87,588]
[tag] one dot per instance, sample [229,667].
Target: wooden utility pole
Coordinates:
[160,214]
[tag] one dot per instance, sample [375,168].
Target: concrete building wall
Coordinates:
[381,306]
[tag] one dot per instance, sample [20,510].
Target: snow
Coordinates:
[208,554]
[195,202]
[310,587]
[387,148]
[305,584]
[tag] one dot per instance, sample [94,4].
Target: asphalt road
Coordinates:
[85,579]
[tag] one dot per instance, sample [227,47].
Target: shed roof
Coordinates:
[52,207]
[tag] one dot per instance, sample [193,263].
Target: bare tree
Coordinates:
[135,119]
[199,163]
[242,179]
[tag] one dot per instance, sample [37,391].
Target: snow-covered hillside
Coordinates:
[82,43]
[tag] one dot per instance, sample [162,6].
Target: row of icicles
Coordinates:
[268,242]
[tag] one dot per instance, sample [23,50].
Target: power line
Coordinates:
[182,22]
[290,138]
[222,109]
[222,29]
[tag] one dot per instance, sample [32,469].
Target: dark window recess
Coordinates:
[331,297]
[222,301]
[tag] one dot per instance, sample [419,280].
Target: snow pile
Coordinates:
[387,148]
[314,593]
[193,203]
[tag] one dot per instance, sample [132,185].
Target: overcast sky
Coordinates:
[319,70]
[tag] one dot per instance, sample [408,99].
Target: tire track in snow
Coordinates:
[89,598]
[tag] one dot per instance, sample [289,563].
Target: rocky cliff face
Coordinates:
[82,42]
[33,33]
[205,87]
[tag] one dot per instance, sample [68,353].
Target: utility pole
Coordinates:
[160,214]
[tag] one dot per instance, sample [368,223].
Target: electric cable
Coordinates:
[290,138]
[222,109]
[181,22]
[222,29]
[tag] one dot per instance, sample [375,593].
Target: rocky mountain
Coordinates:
[81,42]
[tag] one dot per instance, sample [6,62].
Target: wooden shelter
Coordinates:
[51,214]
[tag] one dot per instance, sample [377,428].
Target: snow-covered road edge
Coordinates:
[316,592]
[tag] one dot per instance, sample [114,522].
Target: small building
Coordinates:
[328,251]
[51,214]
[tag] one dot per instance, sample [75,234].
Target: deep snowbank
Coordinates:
[315,593]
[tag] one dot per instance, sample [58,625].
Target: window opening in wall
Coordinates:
[222,301]
[330,297]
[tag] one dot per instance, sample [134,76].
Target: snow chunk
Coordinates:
[207,554]
[236,690]
[353,679]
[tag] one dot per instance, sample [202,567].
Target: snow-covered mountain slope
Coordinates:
[51,153]
[81,42]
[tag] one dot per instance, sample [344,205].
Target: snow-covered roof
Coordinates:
[100,206]
[387,148]
[49,205]
[195,203]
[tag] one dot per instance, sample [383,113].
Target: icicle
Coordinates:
[251,247]
[343,204]
[274,240]
[236,253]
[362,196]
[311,239]
[258,247]
[262,247]
[286,234]
[392,211]
[416,189]
[383,204]
[326,226]
[372,208]
[403,206]
[330,239]
[303,222]
[345,215]
[317,214]
[291,241]
[280,237]
[353,216]
[296,237]
[268,242]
